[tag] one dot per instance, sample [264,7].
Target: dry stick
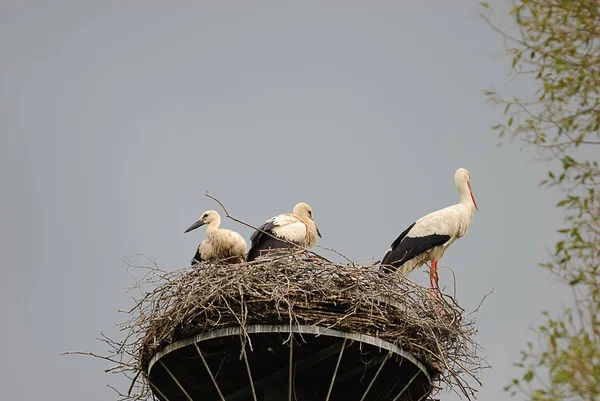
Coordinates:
[482,301]
[453,279]
[92,354]
[133,382]
[336,252]
[452,373]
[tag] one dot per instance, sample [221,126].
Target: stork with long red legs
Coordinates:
[427,239]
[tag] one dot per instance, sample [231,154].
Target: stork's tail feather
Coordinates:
[266,243]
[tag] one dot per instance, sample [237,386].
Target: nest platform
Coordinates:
[295,326]
[302,362]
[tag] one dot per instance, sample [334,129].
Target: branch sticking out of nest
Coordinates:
[296,287]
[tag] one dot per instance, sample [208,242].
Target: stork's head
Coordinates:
[304,210]
[209,217]
[463,182]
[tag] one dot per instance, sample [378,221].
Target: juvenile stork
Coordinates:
[297,227]
[427,239]
[220,244]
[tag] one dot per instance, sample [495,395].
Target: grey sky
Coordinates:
[115,117]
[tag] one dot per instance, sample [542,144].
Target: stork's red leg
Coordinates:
[432,275]
[435,285]
[431,282]
[434,278]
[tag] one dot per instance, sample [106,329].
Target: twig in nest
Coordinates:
[482,301]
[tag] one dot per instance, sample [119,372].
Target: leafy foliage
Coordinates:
[556,46]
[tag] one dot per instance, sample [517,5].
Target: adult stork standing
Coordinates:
[297,227]
[427,239]
[220,244]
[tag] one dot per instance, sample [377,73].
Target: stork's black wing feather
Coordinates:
[401,236]
[261,241]
[197,258]
[256,235]
[404,248]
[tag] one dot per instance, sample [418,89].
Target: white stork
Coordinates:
[427,239]
[220,244]
[297,227]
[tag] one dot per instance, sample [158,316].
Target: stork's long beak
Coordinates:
[194,226]
[472,197]
[318,232]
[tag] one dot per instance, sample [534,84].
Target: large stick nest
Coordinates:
[295,287]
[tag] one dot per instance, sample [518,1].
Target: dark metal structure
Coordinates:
[286,363]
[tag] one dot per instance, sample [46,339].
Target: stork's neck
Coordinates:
[213,226]
[311,230]
[465,194]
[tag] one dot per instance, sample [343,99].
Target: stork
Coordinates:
[220,244]
[427,239]
[297,227]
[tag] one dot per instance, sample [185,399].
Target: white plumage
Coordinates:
[220,244]
[297,227]
[427,239]
[289,227]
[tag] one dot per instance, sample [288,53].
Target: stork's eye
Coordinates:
[205,216]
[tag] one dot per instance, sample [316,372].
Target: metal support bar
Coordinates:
[176,381]
[209,372]
[376,374]
[158,391]
[427,393]
[336,369]
[291,366]
[407,384]
[354,371]
[249,374]
[300,366]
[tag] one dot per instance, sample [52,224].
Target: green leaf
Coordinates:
[575,280]
[562,376]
